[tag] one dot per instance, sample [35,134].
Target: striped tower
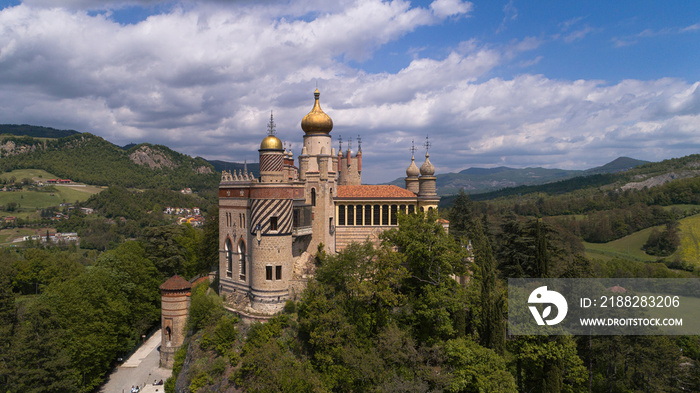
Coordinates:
[271,230]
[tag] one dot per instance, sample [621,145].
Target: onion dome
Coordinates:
[317,121]
[412,170]
[427,169]
[271,142]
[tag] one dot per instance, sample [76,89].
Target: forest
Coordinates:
[392,318]
[89,159]
[69,313]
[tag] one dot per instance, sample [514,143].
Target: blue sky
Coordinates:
[559,84]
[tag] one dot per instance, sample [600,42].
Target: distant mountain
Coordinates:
[237,166]
[619,164]
[35,131]
[87,158]
[480,180]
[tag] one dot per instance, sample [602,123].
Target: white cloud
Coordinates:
[445,8]
[202,79]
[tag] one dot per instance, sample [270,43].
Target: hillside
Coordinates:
[35,131]
[481,180]
[90,159]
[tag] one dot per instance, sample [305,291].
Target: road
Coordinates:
[142,369]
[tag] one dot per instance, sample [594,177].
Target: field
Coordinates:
[630,247]
[8,235]
[30,202]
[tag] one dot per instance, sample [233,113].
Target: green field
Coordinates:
[34,174]
[30,202]
[630,247]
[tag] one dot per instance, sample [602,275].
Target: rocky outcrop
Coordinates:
[660,180]
[10,148]
[145,155]
[203,170]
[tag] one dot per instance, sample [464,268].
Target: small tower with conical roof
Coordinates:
[175,302]
[412,173]
[271,156]
[427,191]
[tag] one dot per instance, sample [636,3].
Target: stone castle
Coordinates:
[271,226]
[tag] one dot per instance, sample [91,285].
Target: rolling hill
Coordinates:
[481,180]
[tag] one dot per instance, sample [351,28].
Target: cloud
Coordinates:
[445,8]
[203,77]
[653,33]
[511,14]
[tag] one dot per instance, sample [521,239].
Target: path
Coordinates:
[142,368]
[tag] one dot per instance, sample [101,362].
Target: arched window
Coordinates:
[168,333]
[229,256]
[241,254]
[313,197]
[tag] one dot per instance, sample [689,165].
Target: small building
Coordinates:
[175,303]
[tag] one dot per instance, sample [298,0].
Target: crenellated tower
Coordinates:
[349,167]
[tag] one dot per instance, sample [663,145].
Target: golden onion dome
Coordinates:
[412,170]
[317,121]
[427,169]
[271,142]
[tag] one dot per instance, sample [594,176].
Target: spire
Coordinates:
[412,171]
[271,126]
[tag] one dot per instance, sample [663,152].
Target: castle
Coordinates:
[270,223]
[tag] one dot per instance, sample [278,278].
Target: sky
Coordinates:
[555,84]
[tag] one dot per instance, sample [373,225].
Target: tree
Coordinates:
[461,215]
[491,326]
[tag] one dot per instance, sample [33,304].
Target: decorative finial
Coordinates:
[413,148]
[427,144]
[359,143]
[340,143]
[349,144]
[271,125]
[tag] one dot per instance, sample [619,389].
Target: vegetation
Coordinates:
[90,159]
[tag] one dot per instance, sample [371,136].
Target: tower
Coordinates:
[427,191]
[175,301]
[270,228]
[412,173]
[317,168]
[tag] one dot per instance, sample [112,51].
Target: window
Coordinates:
[385,215]
[368,215]
[313,197]
[402,208]
[393,214]
[377,215]
[351,215]
[273,223]
[241,252]
[268,272]
[278,272]
[411,209]
[341,214]
[229,256]
[358,214]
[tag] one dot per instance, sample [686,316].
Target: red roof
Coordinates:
[374,192]
[176,283]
